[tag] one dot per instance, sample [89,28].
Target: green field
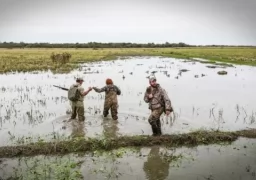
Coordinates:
[39,59]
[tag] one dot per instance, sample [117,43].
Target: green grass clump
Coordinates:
[80,144]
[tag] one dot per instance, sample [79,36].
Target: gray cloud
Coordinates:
[191,21]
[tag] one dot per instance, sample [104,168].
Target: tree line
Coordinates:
[88,45]
[96,45]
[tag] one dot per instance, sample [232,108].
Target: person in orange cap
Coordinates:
[111,102]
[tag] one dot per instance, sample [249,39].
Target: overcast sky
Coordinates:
[227,22]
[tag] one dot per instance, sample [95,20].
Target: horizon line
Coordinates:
[97,42]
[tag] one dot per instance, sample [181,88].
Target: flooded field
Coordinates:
[33,109]
[236,161]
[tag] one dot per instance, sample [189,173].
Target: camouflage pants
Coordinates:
[113,107]
[155,115]
[78,110]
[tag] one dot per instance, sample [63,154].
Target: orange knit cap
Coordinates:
[109,81]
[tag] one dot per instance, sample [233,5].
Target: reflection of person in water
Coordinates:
[156,167]
[77,129]
[110,129]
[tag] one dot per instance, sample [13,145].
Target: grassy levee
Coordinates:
[24,60]
[80,144]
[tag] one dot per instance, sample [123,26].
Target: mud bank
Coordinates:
[80,144]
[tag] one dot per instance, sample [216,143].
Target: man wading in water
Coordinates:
[111,102]
[159,102]
[76,95]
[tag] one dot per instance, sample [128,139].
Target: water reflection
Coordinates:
[156,167]
[110,128]
[31,105]
[77,128]
[231,162]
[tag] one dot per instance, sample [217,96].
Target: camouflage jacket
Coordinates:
[111,92]
[160,98]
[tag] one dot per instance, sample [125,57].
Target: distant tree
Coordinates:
[89,45]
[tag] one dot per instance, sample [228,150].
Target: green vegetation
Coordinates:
[47,168]
[222,72]
[23,60]
[72,166]
[80,144]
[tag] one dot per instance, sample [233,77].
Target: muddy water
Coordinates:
[236,161]
[31,106]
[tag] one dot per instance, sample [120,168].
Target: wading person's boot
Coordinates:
[105,113]
[154,128]
[158,123]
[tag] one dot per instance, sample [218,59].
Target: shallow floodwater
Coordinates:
[31,106]
[230,162]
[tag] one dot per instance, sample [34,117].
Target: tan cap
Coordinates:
[79,79]
[152,78]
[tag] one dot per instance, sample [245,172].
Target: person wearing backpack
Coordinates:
[76,95]
[111,102]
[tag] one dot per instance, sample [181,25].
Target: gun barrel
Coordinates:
[61,87]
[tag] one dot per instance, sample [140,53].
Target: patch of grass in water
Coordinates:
[80,144]
[105,163]
[47,168]
[215,63]
[222,72]
[247,133]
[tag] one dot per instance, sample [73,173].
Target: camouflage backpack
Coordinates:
[73,93]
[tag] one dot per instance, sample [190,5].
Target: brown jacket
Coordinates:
[160,98]
[111,92]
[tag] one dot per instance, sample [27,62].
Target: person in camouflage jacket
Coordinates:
[159,103]
[111,102]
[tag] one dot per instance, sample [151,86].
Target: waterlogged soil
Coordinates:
[33,109]
[236,161]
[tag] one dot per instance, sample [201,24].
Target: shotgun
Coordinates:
[65,89]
